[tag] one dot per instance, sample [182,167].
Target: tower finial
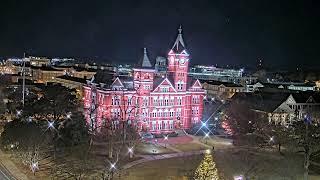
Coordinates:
[145,50]
[180,29]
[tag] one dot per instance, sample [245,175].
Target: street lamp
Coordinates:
[19,112]
[69,115]
[112,166]
[206,137]
[271,139]
[50,125]
[29,119]
[34,167]
[112,169]
[204,124]
[165,141]
[130,150]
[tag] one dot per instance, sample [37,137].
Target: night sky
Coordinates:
[283,33]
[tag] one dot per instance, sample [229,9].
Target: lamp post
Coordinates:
[130,150]
[206,137]
[112,169]
[165,141]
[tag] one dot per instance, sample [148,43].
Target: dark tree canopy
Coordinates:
[74,131]
[53,103]
[22,135]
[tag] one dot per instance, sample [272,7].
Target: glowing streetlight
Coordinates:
[112,166]
[34,167]
[130,150]
[271,139]
[216,118]
[165,141]
[204,124]
[19,112]
[51,125]
[69,115]
[206,137]
[29,119]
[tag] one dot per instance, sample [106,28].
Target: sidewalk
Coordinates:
[11,167]
[147,158]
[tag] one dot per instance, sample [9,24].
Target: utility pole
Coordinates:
[306,154]
[23,78]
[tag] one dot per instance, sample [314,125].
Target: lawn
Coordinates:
[149,148]
[189,147]
[266,166]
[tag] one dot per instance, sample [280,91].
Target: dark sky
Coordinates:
[281,32]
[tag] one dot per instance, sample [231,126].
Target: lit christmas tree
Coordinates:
[207,169]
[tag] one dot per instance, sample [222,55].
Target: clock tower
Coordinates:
[178,63]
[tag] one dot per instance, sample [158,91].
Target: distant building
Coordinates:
[221,74]
[221,90]
[39,61]
[161,65]
[45,74]
[213,71]
[283,108]
[302,87]
[281,86]
[72,83]
[124,70]
[155,104]
[63,61]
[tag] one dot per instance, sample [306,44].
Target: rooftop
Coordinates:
[71,78]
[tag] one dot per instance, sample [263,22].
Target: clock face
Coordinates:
[182,61]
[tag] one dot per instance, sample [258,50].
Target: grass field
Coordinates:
[264,166]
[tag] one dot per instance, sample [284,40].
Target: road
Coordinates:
[4,174]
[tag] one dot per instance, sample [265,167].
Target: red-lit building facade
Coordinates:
[155,104]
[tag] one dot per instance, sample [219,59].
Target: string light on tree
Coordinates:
[207,169]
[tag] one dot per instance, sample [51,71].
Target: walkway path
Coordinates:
[147,158]
[9,169]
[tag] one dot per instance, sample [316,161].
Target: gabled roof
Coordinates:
[179,46]
[262,101]
[306,97]
[196,84]
[117,83]
[162,81]
[144,63]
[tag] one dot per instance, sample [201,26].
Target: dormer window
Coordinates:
[180,85]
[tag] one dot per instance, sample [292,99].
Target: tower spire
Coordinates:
[180,29]
[179,44]
[145,51]
[145,61]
